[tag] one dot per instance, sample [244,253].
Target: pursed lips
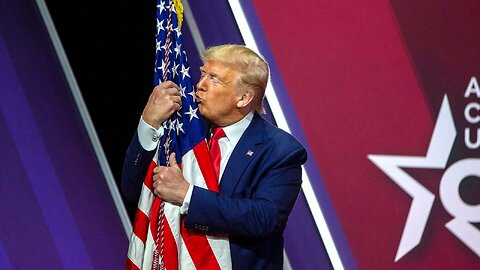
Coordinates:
[198,99]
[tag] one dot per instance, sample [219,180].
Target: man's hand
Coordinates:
[162,103]
[168,182]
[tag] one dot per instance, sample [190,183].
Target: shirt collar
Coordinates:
[235,131]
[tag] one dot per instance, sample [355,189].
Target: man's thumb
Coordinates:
[172,161]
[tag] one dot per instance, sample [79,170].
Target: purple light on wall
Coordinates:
[57,211]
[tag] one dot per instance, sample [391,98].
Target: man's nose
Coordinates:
[200,85]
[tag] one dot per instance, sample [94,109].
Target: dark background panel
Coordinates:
[111,49]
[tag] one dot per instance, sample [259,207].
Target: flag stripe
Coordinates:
[136,250]
[170,245]
[131,266]
[140,227]
[145,202]
[149,177]
[199,249]
[221,248]
[205,248]
[206,165]
[148,252]
[185,260]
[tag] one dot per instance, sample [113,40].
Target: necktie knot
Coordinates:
[218,133]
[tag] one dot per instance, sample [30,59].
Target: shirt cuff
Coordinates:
[186,201]
[148,135]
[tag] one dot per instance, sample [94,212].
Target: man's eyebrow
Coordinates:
[211,73]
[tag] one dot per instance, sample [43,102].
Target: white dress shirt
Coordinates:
[149,138]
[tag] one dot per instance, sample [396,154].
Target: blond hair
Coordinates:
[253,69]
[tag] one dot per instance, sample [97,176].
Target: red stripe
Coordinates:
[196,242]
[141,225]
[170,246]
[206,166]
[199,249]
[129,265]
[149,177]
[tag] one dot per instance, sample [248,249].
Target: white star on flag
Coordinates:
[192,93]
[192,113]
[184,72]
[182,92]
[160,26]
[175,70]
[161,6]
[162,68]
[179,127]
[177,30]
[177,50]
[164,47]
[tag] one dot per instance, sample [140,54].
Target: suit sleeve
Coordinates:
[257,216]
[135,166]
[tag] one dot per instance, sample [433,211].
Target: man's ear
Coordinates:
[245,99]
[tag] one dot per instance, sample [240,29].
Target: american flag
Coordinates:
[179,248]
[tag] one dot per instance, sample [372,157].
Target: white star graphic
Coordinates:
[160,26]
[182,91]
[158,46]
[184,72]
[177,50]
[172,125]
[178,31]
[161,6]
[175,70]
[192,93]
[164,47]
[437,155]
[192,112]
[179,128]
[162,68]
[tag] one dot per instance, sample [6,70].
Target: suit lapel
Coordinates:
[246,149]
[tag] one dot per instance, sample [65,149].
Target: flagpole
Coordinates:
[158,255]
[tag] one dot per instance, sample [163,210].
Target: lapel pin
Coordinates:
[249,153]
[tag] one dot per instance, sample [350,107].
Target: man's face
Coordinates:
[216,93]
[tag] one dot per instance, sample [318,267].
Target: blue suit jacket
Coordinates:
[257,193]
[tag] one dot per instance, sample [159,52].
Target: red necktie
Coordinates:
[215,149]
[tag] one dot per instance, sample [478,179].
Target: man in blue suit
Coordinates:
[260,165]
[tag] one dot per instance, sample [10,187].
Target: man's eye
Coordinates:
[215,80]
